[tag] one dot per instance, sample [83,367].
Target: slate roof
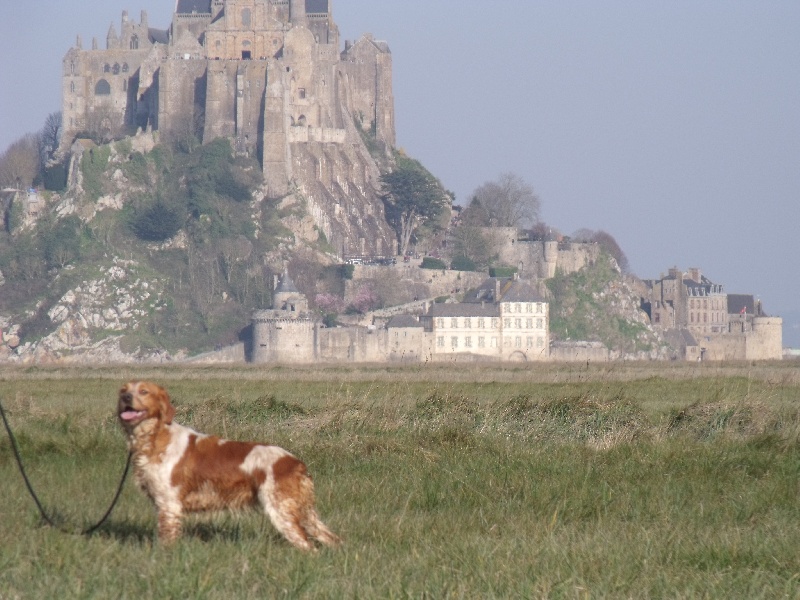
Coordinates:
[464,310]
[737,302]
[316,6]
[287,286]
[160,36]
[403,321]
[194,6]
[520,291]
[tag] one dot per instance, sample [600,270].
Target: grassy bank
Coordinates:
[626,481]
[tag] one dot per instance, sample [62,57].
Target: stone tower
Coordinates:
[270,76]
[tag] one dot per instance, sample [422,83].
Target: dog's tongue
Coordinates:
[129,415]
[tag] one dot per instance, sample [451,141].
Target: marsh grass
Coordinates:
[487,483]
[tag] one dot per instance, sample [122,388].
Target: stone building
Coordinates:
[706,323]
[267,74]
[504,320]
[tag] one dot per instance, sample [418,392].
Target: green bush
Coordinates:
[432,263]
[502,271]
[463,263]
[157,222]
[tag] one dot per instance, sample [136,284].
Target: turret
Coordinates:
[112,40]
[79,43]
[144,19]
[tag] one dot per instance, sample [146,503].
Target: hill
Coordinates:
[157,251]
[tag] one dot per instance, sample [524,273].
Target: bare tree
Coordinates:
[507,202]
[19,164]
[50,137]
[607,242]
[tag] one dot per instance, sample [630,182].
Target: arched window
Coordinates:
[72,87]
[103,88]
[106,68]
[124,67]
[72,68]
[134,42]
[115,69]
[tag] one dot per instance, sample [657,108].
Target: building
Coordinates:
[706,323]
[269,75]
[504,320]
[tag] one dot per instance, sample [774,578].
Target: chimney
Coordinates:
[695,275]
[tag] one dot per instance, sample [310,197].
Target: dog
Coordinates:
[183,471]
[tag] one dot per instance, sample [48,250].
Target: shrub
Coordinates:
[502,271]
[432,263]
[462,263]
[157,222]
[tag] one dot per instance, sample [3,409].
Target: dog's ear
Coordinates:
[167,410]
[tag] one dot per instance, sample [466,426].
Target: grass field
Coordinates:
[458,481]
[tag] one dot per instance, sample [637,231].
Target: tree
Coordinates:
[507,202]
[606,242]
[411,197]
[19,164]
[470,243]
[50,137]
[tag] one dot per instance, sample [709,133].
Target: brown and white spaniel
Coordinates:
[183,471]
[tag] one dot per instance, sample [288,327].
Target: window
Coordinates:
[106,68]
[246,17]
[528,323]
[506,322]
[440,324]
[539,323]
[467,323]
[530,342]
[468,341]
[124,85]
[518,323]
[72,68]
[481,324]
[540,342]
[538,307]
[134,42]
[494,342]
[440,341]
[115,69]
[125,67]
[518,342]
[72,87]
[481,342]
[454,342]
[454,322]
[494,323]
[518,308]
[301,93]
[529,307]
[103,88]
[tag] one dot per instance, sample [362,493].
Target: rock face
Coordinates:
[90,319]
[272,78]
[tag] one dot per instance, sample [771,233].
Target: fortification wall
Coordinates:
[765,342]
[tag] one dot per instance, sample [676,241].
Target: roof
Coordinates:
[741,304]
[159,36]
[193,6]
[401,321]
[464,310]
[287,286]
[316,6]
[520,291]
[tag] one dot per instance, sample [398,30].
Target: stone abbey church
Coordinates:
[271,76]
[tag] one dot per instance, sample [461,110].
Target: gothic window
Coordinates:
[72,87]
[124,67]
[124,85]
[301,93]
[103,88]
[115,69]
[246,17]
[135,42]
[72,68]
[106,68]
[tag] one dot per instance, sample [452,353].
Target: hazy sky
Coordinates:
[674,126]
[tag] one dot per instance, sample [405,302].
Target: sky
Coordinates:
[673,126]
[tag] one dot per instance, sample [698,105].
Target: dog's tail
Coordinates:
[311,522]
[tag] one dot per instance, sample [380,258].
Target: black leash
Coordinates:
[45,517]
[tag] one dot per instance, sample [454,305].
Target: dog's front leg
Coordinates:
[169,526]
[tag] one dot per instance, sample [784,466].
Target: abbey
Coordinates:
[269,75]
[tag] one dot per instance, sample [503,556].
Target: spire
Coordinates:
[112,41]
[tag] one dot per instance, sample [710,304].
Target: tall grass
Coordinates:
[635,482]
